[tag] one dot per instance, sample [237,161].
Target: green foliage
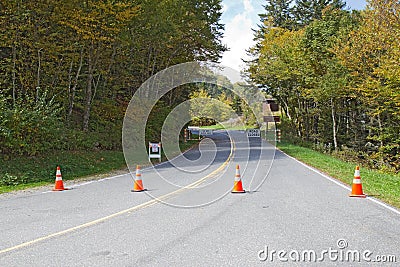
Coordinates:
[305,11]
[156,120]
[206,110]
[336,79]
[294,14]
[29,127]
[279,13]
[90,57]
[237,105]
[10,180]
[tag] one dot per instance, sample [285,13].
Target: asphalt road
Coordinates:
[188,217]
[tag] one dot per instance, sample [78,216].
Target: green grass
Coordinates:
[186,145]
[6,189]
[378,184]
[23,173]
[217,126]
[227,126]
[36,171]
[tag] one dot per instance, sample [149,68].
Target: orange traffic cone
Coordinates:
[59,186]
[138,184]
[356,190]
[237,187]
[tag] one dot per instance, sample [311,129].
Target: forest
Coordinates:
[69,68]
[336,75]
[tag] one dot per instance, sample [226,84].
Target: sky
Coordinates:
[240,17]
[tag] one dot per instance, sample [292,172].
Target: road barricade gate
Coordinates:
[196,130]
[192,130]
[205,132]
[253,133]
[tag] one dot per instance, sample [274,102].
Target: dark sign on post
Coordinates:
[272,119]
[270,105]
[274,107]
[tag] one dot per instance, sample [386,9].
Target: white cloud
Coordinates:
[248,7]
[239,36]
[224,7]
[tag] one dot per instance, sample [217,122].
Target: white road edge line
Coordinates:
[376,201]
[90,182]
[128,173]
[117,176]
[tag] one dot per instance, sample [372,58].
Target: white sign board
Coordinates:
[154,148]
[206,132]
[253,133]
[155,151]
[193,128]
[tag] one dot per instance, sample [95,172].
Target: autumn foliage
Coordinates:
[336,76]
[69,68]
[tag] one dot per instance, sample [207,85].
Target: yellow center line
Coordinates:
[140,206]
[212,174]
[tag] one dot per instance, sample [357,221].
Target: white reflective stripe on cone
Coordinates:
[237,175]
[356,181]
[58,175]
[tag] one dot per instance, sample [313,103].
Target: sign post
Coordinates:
[185,135]
[278,135]
[193,130]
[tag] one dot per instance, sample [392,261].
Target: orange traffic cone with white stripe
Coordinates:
[356,189]
[238,187]
[138,184]
[59,185]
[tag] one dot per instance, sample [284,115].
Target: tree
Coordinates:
[280,70]
[206,110]
[90,56]
[329,75]
[300,70]
[306,11]
[279,12]
[337,77]
[370,54]
[98,24]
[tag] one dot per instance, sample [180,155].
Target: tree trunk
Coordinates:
[38,76]
[14,55]
[285,108]
[72,90]
[56,76]
[298,117]
[307,120]
[315,127]
[380,130]
[88,97]
[334,124]
[112,61]
[70,97]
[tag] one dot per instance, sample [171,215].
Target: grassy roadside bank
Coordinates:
[227,126]
[22,173]
[380,185]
